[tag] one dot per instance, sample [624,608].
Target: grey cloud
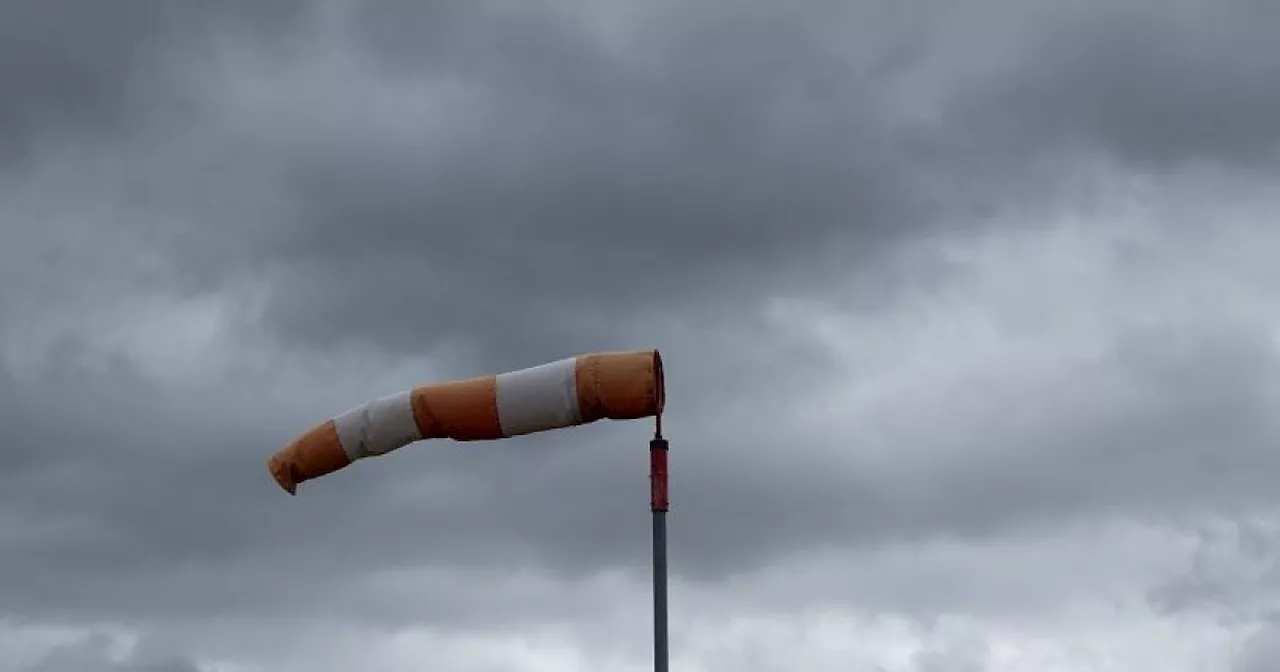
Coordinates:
[574,503]
[586,187]
[583,196]
[1157,85]
[65,66]
[1260,653]
[724,157]
[1234,573]
[81,72]
[1204,443]
[964,658]
[94,653]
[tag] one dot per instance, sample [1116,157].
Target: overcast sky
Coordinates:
[970,313]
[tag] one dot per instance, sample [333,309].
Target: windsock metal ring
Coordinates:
[575,391]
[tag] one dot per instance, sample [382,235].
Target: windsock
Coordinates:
[574,391]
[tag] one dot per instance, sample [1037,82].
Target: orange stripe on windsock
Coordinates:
[464,410]
[311,455]
[576,391]
[620,385]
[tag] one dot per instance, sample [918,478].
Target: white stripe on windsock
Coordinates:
[539,398]
[377,427]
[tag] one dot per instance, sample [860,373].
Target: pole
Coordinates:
[658,505]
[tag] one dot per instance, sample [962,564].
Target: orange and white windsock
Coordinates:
[575,391]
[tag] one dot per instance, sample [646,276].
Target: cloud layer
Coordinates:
[968,312]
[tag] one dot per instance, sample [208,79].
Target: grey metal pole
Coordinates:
[658,505]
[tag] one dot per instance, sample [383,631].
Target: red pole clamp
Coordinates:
[658,475]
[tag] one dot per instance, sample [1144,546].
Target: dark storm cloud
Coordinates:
[1157,85]
[583,186]
[721,156]
[92,69]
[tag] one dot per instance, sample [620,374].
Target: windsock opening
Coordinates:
[659,383]
[614,385]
